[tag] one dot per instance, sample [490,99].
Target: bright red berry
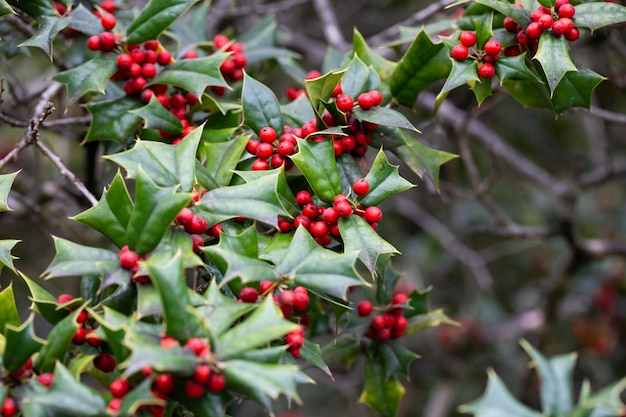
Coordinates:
[128,259]
[373,214]
[107,41]
[119,388]
[378,322]
[303,198]
[93,43]
[248,295]
[301,299]
[104,362]
[216,383]
[260,165]
[558,27]
[377,96]
[267,134]
[319,228]
[286,297]
[124,61]
[468,38]
[108,21]
[108,6]
[285,148]
[164,58]
[365,308]
[264,150]
[399,298]
[79,336]
[148,70]
[9,407]
[572,34]
[184,216]
[164,383]
[201,374]
[493,47]
[534,30]
[196,226]
[344,209]
[64,298]
[486,71]
[365,101]
[361,186]
[459,52]
[567,10]
[510,25]
[545,21]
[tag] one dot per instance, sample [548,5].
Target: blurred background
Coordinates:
[510,253]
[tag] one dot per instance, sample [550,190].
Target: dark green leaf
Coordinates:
[260,106]
[419,158]
[158,117]
[5,9]
[6,181]
[384,67]
[112,213]
[85,21]
[518,14]
[312,353]
[43,302]
[6,259]
[146,352]
[381,393]
[343,351]
[154,18]
[222,311]
[483,28]
[421,65]
[318,269]
[354,80]
[462,73]
[34,8]
[396,359]
[72,259]
[8,309]
[49,28]
[59,339]
[553,56]
[481,90]
[317,162]
[384,116]
[21,344]
[90,76]
[384,181]
[575,89]
[514,68]
[533,94]
[194,75]
[298,112]
[265,324]
[359,236]
[599,14]
[284,193]
[319,90]
[222,157]
[141,395]
[112,120]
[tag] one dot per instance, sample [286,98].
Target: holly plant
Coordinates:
[241,226]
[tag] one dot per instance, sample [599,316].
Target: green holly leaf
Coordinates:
[275,250]
[430,319]
[424,63]
[194,75]
[605,403]
[285,195]
[49,28]
[298,112]
[554,58]
[599,14]
[6,259]
[319,90]
[34,8]
[386,284]
[222,311]
[260,106]
[141,395]
[533,94]
[381,393]
[575,89]
[383,67]
[70,397]
[355,79]
[155,210]
[148,352]
[318,269]
[384,181]
[21,343]
[167,275]
[112,213]
[8,309]
[483,27]
[396,359]
[514,68]
[154,18]
[43,302]
[497,400]
[113,328]
[5,9]
[317,162]
[6,182]
[72,259]
[112,119]
[91,76]
[342,352]
[521,16]
[59,339]
[256,200]
[419,158]
[264,325]
[557,396]
[481,90]
[168,165]
[384,116]
[462,72]
[359,236]
[243,376]
[85,21]
[177,240]
[312,353]
[222,157]
[157,117]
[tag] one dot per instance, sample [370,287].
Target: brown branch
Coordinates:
[330,26]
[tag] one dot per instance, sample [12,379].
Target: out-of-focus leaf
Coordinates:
[49,28]
[91,76]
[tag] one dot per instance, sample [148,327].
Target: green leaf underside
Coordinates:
[421,65]
[21,344]
[91,76]
[396,359]
[384,116]
[553,55]
[49,28]
[154,18]
[380,393]
[34,8]
[599,14]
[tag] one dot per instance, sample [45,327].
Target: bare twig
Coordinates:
[330,26]
[262,9]
[608,115]
[602,174]
[78,120]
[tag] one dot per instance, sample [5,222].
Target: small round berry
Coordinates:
[493,47]
[572,34]
[108,6]
[201,374]
[196,226]
[568,23]
[219,41]
[361,187]
[193,389]
[9,407]
[383,334]
[286,297]
[93,43]
[216,383]
[148,70]
[378,322]
[139,83]
[486,71]
[164,383]
[303,198]
[365,101]
[134,70]
[124,61]
[344,208]
[534,30]
[468,38]
[115,404]
[184,216]
[92,339]
[377,96]
[260,165]
[546,21]
[79,336]
[264,150]
[128,259]
[510,25]
[559,3]
[401,323]
[373,214]
[249,295]
[365,308]
[536,14]
[567,10]
[119,388]
[240,59]
[285,148]
[399,298]
[363,137]
[558,27]
[64,298]
[319,228]
[191,54]
[311,211]
[164,58]
[108,21]
[301,300]
[331,215]
[104,362]
[277,161]
[46,379]
[82,317]
[522,38]
[459,52]
[107,41]
[267,134]
[348,143]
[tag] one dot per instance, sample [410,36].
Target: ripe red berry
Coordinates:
[493,47]
[164,58]
[522,38]
[377,96]
[267,134]
[301,299]
[399,298]
[260,165]
[567,10]
[401,323]
[9,407]
[93,43]
[107,41]
[383,334]
[79,336]
[82,317]
[459,52]
[184,216]
[365,101]
[46,379]
[286,297]
[217,382]
[240,59]
[164,383]
[115,404]
[201,374]
[196,226]
[124,61]
[361,186]
[108,6]
[92,339]
[572,34]
[108,21]
[264,286]
[302,220]
[148,70]
[373,214]
[545,21]
[128,259]
[559,3]
[534,30]
[468,38]
[378,322]
[319,228]
[248,295]
[331,215]
[311,211]
[264,150]
[558,27]
[285,148]
[568,23]
[344,208]
[303,198]
[365,308]
[64,298]
[510,25]
[104,362]
[486,70]
[119,388]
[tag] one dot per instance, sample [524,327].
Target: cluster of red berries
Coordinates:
[197,226]
[130,260]
[294,92]
[139,65]
[83,333]
[232,68]
[271,151]
[485,57]
[106,40]
[9,407]
[366,100]
[390,324]
[322,222]
[558,20]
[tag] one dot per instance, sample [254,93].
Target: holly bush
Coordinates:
[241,224]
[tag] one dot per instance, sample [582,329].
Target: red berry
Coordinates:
[383,334]
[164,58]
[248,295]
[468,38]
[510,25]
[260,165]
[264,150]
[373,214]
[492,47]
[286,297]
[216,383]
[486,71]
[164,383]
[559,3]
[361,186]
[459,52]
[522,38]
[82,317]
[108,6]
[264,286]
[399,298]
[311,211]
[567,10]
[240,59]
[344,208]
[545,21]
[534,30]
[148,70]
[267,134]
[119,388]
[108,21]
[558,27]
[401,323]
[107,41]
[9,407]
[93,43]
[536,14]
[124,61]
[79,336]
[92,339]
[285,148]
[301,299]
[104,362]
[196,226]
[184,216]
[365,101]
[201,374]
[64,298]
[572,34]
[196,242]
[365,308]
[115,404]
[319,228]
[568,23]
[344,102]
[134,70]
[377,96]
[302,220]
[348,143]
[128,259]
[378,322]
[303,198]
[331,215]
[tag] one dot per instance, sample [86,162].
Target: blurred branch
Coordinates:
[607,115]
[602,174]
[330,26]
[263,9]
[219,10]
